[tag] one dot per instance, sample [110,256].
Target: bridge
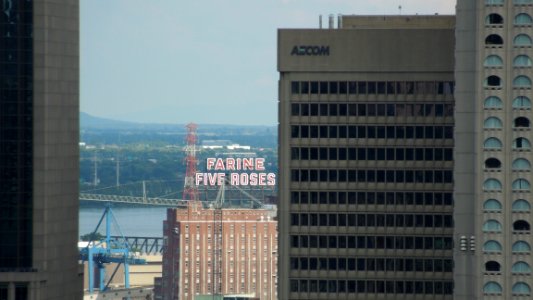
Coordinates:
[133,200]
[163,193]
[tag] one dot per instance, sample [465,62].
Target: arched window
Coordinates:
[523,19]
[493,163]
[493,102]
[493,122]
[522,81]
[492,143]
[492,287]
[521,267]
[492,184]
[494,19]
[522,61]
[521,225]
[522,102]
[493,39]
[521,205]
[519,2]
[521,164]
[492,205]
[492,266]
[521,185]
[521,247]
[492,246]
[492,226]
[521,288]
[521,143]
[521,122]
[493,81]
[522,40]
[493,61]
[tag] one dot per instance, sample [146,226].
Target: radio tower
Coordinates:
[190,191]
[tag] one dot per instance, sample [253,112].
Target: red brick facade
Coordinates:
[248,256]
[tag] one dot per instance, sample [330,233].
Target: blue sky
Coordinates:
[206,61]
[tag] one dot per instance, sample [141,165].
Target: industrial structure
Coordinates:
[99,253]
[39,165]
[366,141]
[212,248]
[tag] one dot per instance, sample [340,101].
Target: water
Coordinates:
[146,222]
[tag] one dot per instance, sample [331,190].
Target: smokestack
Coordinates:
[339,21]
[320,21]
[331,21]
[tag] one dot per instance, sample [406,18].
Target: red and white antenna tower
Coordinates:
[190,191]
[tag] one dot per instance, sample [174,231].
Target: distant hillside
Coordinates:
[89,122]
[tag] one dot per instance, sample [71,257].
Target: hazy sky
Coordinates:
[207,61]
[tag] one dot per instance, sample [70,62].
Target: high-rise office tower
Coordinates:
[493,150]
[366,159]
[39,109]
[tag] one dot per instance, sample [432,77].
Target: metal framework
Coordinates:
[134,200]
[110,250]
[190,191]
[148,245]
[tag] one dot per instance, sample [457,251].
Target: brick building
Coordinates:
[248,257]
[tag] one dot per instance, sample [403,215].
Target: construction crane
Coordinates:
[109,250]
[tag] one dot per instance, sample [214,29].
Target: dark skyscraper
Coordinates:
[366,159]
[39,104]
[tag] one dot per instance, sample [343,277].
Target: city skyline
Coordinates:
[220,51]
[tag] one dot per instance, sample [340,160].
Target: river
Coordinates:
[146,222]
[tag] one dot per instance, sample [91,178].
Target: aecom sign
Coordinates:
[310,50]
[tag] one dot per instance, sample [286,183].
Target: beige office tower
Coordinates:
[366,159]
[39,109]
[493,150]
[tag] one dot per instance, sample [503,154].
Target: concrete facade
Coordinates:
[492,166]
[365,194]
[248,257]
[55,272]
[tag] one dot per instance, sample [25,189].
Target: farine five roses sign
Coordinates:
[238,171]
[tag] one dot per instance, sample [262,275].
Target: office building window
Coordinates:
[521,267]
[493,40]
[493,123]
[492,246]
[521,185]
[522,61]
[492,184]
[493,61]
[522,40]
[492,226]
[494,19]
[521,164]
[522,102]
[523,19]
[521,247]
[492,144]
[521,205]
[522,81]
[493,102]
[492,287]
[521,288]
[492,205]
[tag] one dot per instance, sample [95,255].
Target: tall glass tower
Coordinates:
[39,133]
